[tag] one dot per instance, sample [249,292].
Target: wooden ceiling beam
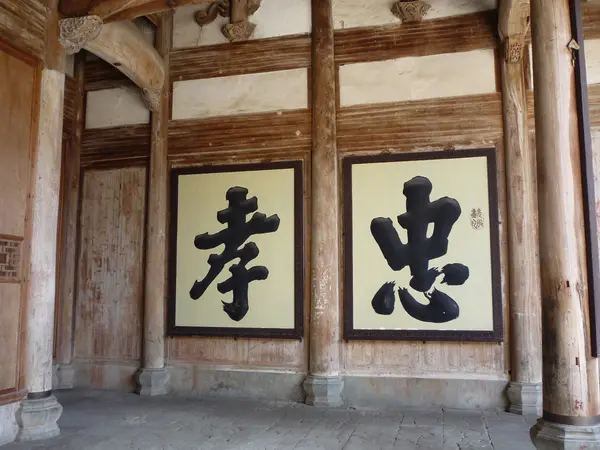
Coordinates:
[118,10]
[121,44]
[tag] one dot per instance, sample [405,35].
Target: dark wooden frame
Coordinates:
[496,335]
[272,333]
[587,178]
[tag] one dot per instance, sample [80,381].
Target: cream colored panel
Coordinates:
[592,60]
[377,192]
[274,18]
[368,13]
[115,107]
[271,301]
[447,75]
[243,94]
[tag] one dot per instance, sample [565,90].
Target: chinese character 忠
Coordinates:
[418,252]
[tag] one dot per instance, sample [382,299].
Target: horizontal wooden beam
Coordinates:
[119,10]
[122,45]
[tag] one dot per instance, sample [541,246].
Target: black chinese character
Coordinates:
[236,233]
[417,253]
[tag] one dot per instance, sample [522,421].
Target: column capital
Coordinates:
[76,32]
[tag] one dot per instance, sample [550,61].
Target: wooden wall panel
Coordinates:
[293,52]
[111,259]
[431,37]
[286,134]
[23,24]
[101,75]
[115,147]
[19,88]
[435,123]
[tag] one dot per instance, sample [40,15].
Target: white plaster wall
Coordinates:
[8,424]
[416,78]
[592,60]
[70,65]
[115,107]
[369,13]
[242,94]
[274,18]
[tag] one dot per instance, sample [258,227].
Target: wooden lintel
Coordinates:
[121,44]
[119,10]
[124,46]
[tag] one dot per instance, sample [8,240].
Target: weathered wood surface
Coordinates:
[100,75]
[23,25]
[430,123]
[324,244]
[157,214]
[45,193]
[448,35]
[524,266]
[223,60]
[18,109]
[119,10]
[110,269]
[570,375]
[124,46]
[73,122]
[115,147]
[288,132]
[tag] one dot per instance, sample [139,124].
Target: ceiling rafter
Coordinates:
[118,10]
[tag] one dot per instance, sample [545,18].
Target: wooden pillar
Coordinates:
[570,374]
[39,412]
[525,389]
[324,384]
[153,378]
[68,253]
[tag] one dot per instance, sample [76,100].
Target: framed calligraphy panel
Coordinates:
[237,251]
[422,258]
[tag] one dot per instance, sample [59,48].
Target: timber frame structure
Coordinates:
[158,86]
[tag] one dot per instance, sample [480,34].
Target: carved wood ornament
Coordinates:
[76,32]
[238,11]
[410,11]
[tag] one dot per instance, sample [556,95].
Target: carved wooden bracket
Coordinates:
[238,11]
[514,46]
[513,25]
[76,32]
[122,45]
[410,11]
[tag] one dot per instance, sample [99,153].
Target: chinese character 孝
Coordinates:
[418,252]
[237,232]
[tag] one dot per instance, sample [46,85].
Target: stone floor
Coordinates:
[98,420]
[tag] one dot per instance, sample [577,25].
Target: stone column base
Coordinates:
[525,398]
[324,391]
[63,376]
[553,436]
[152,382]
[38,418]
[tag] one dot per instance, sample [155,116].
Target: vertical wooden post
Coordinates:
[324,384]
[570,373]
[153,378]
[38,415]
[525,389]
[68,255]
